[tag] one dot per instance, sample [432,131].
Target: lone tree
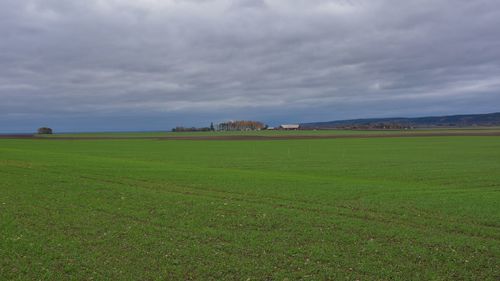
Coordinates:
[45,131]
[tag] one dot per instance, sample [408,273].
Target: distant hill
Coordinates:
[491,119]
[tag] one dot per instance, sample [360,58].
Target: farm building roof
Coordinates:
[290,126]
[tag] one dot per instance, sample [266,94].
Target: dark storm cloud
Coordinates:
[97,61]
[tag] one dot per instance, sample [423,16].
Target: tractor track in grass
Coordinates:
[263,138]
[360,213]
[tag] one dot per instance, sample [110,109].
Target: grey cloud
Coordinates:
[270,60]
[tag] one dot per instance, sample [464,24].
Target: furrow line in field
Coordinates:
[368,215]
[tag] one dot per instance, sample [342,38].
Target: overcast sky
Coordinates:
[154,64]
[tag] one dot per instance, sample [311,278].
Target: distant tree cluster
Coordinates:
[240,126]
[44,131]
[379,126]
[191,129]
[226,126]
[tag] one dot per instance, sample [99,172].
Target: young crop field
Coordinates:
[410,208]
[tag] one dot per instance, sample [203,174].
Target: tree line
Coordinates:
[240,125]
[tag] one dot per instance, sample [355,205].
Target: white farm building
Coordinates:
[290,127]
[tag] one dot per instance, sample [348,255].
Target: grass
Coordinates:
[338,209]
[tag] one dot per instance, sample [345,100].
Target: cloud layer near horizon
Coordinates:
[107,64]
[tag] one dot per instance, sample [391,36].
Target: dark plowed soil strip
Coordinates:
[265,138]
[18,136]
[308,137]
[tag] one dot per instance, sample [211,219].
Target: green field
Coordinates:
[334,209]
